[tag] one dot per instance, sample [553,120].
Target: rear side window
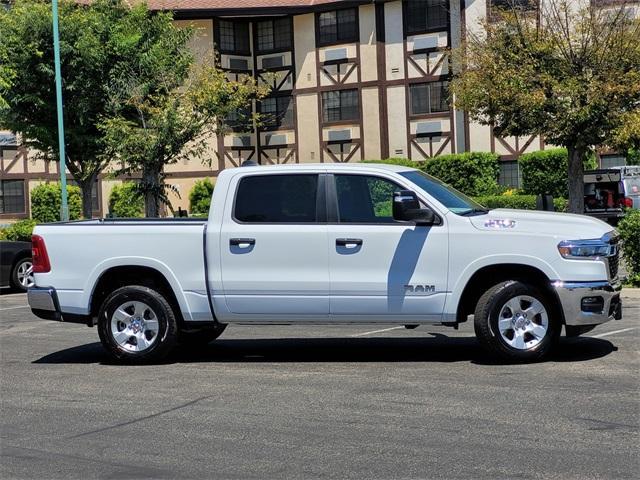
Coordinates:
[277,199]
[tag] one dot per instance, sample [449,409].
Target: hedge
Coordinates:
[46,201]
[629,229]
[125,201]
[18,232]
[473,173]
[545,171]
[520,202]
[200,197]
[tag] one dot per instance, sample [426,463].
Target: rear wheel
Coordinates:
[137,325]
[22,275]
[516,321]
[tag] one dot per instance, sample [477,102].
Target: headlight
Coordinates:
[586,249]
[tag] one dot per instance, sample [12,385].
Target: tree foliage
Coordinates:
[46,202]
[573,78]
[200,197]
[153,128]
[98,42]
[125,201]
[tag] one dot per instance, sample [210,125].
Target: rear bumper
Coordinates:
[589,303]
[44,304]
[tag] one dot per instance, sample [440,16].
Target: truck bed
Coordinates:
[80,252]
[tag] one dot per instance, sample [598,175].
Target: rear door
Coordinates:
[274,259]
[380,269]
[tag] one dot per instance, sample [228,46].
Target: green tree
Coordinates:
[97,41]
[125,201]
[154,128]
[200,196]
[572,78]
[46,202]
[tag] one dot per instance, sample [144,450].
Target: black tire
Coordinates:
[200,338]
[487,315]
[167,328]
[15,281]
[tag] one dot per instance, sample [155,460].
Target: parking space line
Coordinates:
[14,308]
[606,334]
[376,331]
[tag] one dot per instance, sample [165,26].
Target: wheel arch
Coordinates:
[116,276]
[485,277]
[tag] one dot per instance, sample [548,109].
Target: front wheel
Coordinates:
[516,321]
[137,325]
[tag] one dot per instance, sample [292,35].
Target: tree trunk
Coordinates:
[577,156]
[151,184]
[86,186]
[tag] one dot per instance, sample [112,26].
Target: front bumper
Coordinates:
[589,303]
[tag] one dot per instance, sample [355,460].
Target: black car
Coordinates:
[15,265]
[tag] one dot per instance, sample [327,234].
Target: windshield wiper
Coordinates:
[475,211]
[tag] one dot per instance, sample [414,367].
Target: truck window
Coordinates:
[365,199]
[277,199]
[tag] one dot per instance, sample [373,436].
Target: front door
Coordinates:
[274,258]
[380,269]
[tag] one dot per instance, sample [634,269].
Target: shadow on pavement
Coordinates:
[438,348]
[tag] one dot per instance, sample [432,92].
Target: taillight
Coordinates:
[39,255]
[626,202]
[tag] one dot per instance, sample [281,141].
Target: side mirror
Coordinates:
[406,208]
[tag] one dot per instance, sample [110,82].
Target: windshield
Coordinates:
[454,200]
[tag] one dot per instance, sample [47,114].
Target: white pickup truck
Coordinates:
[330,244]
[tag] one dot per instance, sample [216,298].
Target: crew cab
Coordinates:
[329,244]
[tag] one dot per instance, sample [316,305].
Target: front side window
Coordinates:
[12,198]
[430,97]
[277,111]
[277,199]
[340,105]
[338,26]
[274,35]
[425,15]
[233,37]
[365,199]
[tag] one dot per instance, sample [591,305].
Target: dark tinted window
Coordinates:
[365,199]
[429,97]
[425,15]
[277,199]
[509,174]
[338,26]
[233,37]
[277,111]
[340,105]
[12,196]
[274,35]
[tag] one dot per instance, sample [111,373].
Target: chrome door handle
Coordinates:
[348,242]
[242,242]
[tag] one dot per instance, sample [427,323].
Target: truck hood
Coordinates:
[561,225]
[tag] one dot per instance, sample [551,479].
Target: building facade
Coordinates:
[350,80]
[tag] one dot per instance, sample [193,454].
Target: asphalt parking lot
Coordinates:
[318,402]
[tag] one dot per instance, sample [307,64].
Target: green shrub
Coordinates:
[18,232]
[200,197]
[629,229]
[545,171]
[473,173]
[46,201]
[520,202]
[125,201]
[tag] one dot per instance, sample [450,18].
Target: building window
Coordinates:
[422,16]
[608,161]
[338,26]
[233,37]
[340,105]
[274,35]
[277,112]
[240,119]
[509,174]
[12,199]
[429,98]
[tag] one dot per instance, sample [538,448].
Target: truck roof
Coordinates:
[323,166]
